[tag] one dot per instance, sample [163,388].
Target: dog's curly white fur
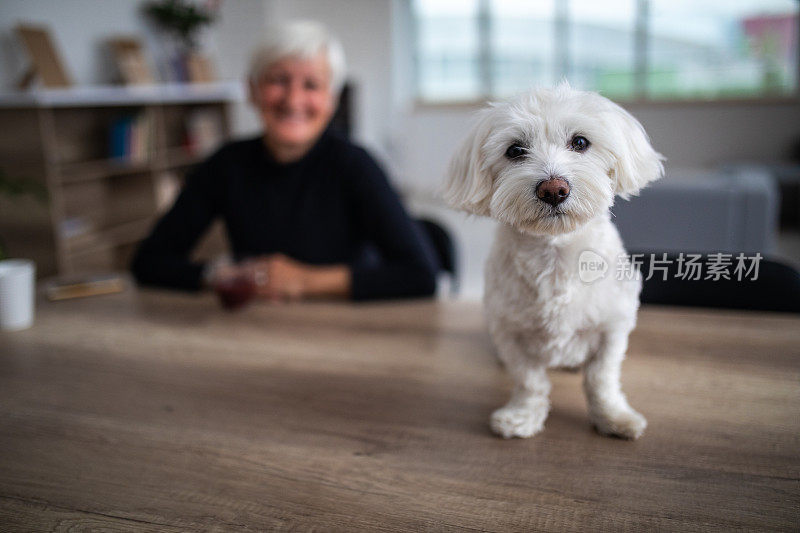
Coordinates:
[540,313]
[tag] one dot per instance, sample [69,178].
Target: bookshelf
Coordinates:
[112,159]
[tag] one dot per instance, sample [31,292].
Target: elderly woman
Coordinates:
[300,203]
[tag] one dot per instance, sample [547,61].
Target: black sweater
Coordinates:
[328,208]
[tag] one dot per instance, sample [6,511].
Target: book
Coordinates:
[130,138]
[204,132]
[84,286]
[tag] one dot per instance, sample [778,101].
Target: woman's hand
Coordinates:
[279,278]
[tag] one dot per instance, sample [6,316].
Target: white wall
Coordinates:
[240,28]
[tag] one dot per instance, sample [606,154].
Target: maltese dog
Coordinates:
[547,166]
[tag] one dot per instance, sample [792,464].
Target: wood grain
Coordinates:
[148,411]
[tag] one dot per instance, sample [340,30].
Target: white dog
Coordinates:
[547,166]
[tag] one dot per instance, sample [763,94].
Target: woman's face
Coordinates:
[295,101]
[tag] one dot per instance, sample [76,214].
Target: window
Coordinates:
[520,45]
[447,37]
[471,49]
[708,49]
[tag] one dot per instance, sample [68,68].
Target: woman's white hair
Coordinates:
[304,39]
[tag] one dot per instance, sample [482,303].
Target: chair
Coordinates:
[445,250]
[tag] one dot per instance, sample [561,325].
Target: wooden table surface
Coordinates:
[161,412]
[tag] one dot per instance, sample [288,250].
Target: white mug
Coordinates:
[17,281]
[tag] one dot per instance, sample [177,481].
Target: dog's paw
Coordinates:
[519,420]
[626,424]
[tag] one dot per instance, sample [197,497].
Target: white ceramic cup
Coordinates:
[17,281]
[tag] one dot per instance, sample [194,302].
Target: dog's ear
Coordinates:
[636,163]
[468,182]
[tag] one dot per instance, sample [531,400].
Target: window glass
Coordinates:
[521,45]
[447,49]
[601,42]
[472,49]
[733,48]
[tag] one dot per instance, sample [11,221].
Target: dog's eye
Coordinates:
[579,143]
[514,151]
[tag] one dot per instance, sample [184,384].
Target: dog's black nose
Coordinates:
[553,191]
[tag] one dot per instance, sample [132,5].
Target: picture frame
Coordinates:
[46,63]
